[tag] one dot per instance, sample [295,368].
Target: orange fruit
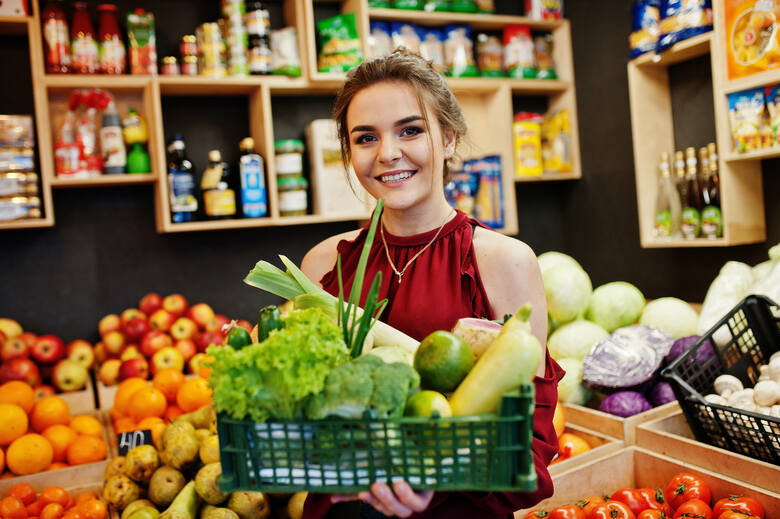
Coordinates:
[125,391]
[168,381]
[93,509]
[12,508]
[24,492]
[48,411]
[19,393]
[114,413]
[124,424]
[52,511]
[146,402]
[86,449]
[54,495]
[29,454]
[73,513]
[34,508]
[204,371]
[84,497]
[57,465]
[173,412]
[2,460]
[60,436]
[149,422]
[569,444]
[87,425]
[193,394]
[13,423]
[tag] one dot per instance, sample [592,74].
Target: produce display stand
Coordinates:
[672,436]
[611,425]
[637,467]
[82,401]
[600,445]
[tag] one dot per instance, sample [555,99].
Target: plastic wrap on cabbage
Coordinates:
[629,357]
[625,404]
[729,288]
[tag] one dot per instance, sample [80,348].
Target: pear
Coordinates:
[165,484]
[145,512]
[120,491]
[115,467]
[209,450]
[206,484]
[202,434]
[135,505]
[203,418]
[184,505]
[141,462]
[212,512]
[295,505]
[249,505]
[180,445]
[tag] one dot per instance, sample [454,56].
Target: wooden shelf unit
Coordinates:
[652,129]
[486,102]
[14,24]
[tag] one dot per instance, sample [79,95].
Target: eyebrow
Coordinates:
[400,122]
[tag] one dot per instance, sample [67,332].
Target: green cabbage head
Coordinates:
[568,290]
[615,305]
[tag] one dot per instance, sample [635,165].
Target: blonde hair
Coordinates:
[408,67]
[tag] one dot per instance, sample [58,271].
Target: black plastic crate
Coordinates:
[743,340]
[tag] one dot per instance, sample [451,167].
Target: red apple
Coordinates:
[206,339]
[43,391]
[130,351]
[175,304]
[201,313]
[10,328]
[81,351]
[130,313]
[153,341]
[246,325]
[69,375]
[29,338]
[114,342]
[136,367]
[196,360]
[161,320]
[108,373]
[150,303]
[3,338]
[217,323]
[15,347]
[183,328]
[136,328]
[48,349]
[109,323]
[168,357]
[20,368]
[100,353]
[187,348]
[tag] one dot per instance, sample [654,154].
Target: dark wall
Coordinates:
[103,254]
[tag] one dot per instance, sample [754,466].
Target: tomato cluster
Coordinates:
[686,496]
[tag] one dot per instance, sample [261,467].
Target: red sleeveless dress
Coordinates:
[439,287]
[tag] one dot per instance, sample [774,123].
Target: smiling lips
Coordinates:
[393,178]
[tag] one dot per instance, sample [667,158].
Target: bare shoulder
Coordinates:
[322,257]
[497,252]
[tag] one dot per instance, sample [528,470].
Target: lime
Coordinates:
[425,403]
[443,360]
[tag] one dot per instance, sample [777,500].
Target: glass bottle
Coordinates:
[711,216]
[692,206]
[667,203]
[219,200]
[679,175]
[181,182]
[254,202]
[111,55]
[55,38]
[83,48]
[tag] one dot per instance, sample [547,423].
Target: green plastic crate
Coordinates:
[483,452]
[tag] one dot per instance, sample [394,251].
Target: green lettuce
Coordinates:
[271,380]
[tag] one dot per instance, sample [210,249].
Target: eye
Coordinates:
[363,139]
[411,131]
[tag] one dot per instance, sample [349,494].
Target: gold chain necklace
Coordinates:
[387,252]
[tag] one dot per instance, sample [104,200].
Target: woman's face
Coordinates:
[391,147]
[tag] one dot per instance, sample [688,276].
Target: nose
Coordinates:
[389,150]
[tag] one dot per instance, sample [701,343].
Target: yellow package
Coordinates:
[556,143]
[752,36]
[527,132]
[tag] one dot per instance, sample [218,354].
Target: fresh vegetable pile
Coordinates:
[684,496]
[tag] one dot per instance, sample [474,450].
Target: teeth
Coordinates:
[389,179]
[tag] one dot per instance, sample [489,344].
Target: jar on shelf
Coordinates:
[189,66]
[170,67]
[293,196]
[289,157]
[188,45]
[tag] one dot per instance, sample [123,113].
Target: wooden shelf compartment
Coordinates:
[30,223]
[14,24]
[126,179]
[765,78]
[477,21]
[58,82]
[766,153]
[204,85]
[550,177]
[245,223]
[677,53]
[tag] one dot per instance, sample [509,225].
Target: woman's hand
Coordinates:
[401,501]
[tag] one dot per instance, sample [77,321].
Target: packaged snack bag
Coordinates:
[490,55]
[544,9]
[543,56]
[459,52]
[773,108]
[645,28]
[519,52]
[432,47]
[285,60]
[683,19]
[556,142]
[142,42]
[746,110]
[405,35]
[752,45]
[340,45]
[379,42]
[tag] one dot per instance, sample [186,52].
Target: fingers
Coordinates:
[417,502]
[339,498]
[388,501]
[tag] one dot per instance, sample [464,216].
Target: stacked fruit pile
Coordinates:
[22,502]
[163,332]
[37,359]
[41,435]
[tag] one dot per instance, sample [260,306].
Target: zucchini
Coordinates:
[268,320]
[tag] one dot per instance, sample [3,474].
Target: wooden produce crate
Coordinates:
[83,401]
[105,395]
[671,436]
[615,426]
[601,445]
[637,467]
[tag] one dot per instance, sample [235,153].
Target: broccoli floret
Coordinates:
[392,384]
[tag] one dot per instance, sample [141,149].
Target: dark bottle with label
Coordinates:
[219,200]
[181,182]
[693,203]
[711,217]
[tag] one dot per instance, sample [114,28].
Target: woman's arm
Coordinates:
[511,277]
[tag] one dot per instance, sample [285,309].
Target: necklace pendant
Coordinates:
[400,277]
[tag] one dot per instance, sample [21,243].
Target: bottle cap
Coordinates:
[215,156]
[247,143]
[288,146]
[664,156]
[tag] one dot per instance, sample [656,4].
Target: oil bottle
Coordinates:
[667,202]
[692,205]
[219,200]
[711,216]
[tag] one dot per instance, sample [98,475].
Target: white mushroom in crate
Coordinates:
[725,385]
[715,399]
[766,393]
[775,411]
[764,370]
[742,399]
[774,368]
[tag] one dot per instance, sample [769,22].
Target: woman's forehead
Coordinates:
[388,97]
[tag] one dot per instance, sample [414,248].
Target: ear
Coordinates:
[449,144]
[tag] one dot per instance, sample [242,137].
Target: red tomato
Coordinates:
[612,510]
[655,500]
[684,487]
[632,498]
[589,503]
[747,505]
[733,514]
[652,514]
[537,513]
[567,512]
[695,508]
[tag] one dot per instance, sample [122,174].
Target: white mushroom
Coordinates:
[743,397]
[763,409]
[766,393]
[774,369]
[775,355]
[725,385]
[775,411]
[764,370]
[716,399]
[746,406]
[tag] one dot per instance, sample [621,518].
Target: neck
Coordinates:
[407,222]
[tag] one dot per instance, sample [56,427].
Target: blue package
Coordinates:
[746,112]
[459,51]
[645,17]
[405,35]
[683,19]
[379,43]
[432,46]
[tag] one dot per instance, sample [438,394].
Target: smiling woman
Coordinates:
[399,126]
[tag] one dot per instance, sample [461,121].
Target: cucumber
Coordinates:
[268,320]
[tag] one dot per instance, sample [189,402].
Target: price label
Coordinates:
[128,441]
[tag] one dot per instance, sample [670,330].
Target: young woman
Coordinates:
[399,126]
